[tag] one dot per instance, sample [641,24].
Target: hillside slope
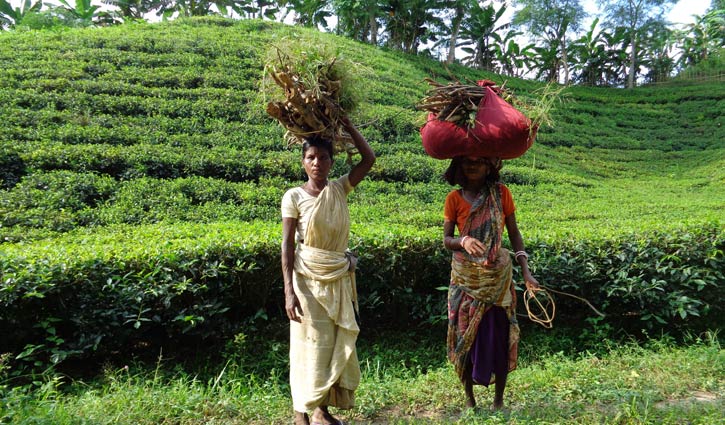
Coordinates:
[134,125]
[141,182]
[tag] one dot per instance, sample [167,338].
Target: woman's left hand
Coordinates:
[531,283]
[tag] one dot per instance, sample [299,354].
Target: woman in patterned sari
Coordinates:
[319,283]
[482,330]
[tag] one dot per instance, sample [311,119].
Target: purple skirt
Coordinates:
[490,351]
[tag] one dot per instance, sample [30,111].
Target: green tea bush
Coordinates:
[109,290]
[57,200]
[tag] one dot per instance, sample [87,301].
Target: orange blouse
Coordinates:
[456,208]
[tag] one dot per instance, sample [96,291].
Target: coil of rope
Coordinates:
[547,308]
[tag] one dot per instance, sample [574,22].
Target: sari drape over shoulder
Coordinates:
[478,284]
[324,368]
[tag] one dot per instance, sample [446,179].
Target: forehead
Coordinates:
[475,160]
[316,151]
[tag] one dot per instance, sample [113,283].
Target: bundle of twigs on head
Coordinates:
[458,101]
[317,94]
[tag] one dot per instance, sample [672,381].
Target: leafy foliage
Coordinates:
[141,178]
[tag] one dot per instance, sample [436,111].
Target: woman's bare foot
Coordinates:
[301,418]
[470,399]
[321,416]
[497,405]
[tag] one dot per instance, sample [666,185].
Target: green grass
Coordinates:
[406,381]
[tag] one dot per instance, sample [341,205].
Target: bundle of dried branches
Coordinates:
[456,102]
[312,104]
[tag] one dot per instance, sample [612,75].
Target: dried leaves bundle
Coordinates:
[456,102]
[315,98]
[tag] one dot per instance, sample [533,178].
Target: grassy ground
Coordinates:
[407,381]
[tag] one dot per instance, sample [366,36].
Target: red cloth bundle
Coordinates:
[500,130]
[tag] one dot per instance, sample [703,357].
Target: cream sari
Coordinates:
[324,368]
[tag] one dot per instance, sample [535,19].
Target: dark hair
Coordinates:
[318,142]
[454,174]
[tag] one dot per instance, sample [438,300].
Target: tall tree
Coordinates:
[12,16]
[550,21]
[458,10]
[633,15]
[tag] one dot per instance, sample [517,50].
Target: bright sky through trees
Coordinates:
[681,13]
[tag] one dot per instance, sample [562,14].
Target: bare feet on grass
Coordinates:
[301,418]
[321,416]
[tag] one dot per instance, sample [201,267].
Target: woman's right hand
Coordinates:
[473,246]
[293,307]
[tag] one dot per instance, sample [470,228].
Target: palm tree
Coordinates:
[481,31]
[12,16]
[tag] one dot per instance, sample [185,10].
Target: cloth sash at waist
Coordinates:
[334,287]
[487,284]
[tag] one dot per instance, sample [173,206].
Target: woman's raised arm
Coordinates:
[367,156]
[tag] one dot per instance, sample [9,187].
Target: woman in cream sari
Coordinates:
[319,283]
[482,330]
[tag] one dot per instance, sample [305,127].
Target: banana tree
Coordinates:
[410,23]
[358,19]
[589,54]
[188,8]
[549,21]
[702,37]
[657,52]
[256,9]
[480,35]
[11,16]
[512,59]
[633,15]
[83,13]
[135,9]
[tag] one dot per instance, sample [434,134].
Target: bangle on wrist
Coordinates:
[463,239]
[521,254]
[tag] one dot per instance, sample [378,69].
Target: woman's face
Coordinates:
[474,168]
[317,163]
